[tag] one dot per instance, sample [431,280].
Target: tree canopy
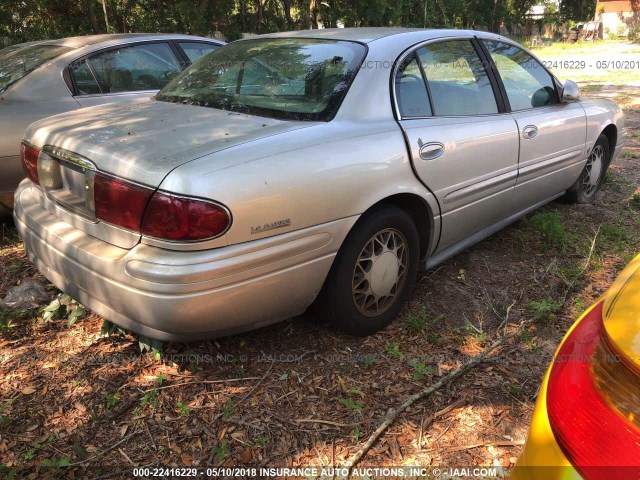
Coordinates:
[22,20]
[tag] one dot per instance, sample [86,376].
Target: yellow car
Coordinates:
[586,423]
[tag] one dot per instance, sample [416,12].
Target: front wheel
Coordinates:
[373,273]
[592,175]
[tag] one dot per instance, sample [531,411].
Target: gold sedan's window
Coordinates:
[458,81]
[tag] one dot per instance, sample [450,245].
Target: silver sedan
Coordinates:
[39,79]
[320,168]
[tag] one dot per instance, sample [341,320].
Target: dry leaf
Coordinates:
[28,390]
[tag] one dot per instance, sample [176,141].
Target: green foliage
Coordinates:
[417,321]
[228,408]
[221,451]
[549,225]
[420,369]
[349,401]
[635,200]
[150,398]
[56,463]
[45,19]
[368,361]
[612,237]
[182,409]
[261,440]
[151,345]
[111,399]
[544,309]
[110,329]
[63,307]
[355,434]
[393,350]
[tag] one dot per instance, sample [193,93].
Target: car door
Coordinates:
[464,147]
[124,73]
[552,134]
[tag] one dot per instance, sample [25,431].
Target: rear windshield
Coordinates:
[289,78]
[17,63]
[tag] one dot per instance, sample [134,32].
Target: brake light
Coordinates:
[591,430]
[176,218]
[29,157]
[120,202]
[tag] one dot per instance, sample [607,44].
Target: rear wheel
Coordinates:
[592,175]
[373,273]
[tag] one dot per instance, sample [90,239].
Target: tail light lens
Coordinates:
[119,202]
[175,218]
[29,157]
[595,421]
[157,214]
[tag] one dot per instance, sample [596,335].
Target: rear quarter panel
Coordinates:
[323,173]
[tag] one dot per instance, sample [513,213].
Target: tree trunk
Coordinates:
[106,18]
[92,16]
[286,6]
[313,14]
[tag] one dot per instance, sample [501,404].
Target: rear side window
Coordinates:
[458,81]
[527,83]
[148,66]
[17,63]
[83,80]
[196,50]
[411,91]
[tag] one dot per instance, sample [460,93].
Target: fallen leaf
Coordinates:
[28,390]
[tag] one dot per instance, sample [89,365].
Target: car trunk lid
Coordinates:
[621,314]
[140,143]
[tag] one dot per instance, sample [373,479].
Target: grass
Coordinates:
[545,309]
[549,225]
[602,47]
[591,88]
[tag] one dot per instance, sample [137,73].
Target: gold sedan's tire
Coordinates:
[373,273]
[592,176]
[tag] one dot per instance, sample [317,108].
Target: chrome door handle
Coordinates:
[529,131]
[431,150]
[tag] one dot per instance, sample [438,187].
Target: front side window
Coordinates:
[411,91]
[148,66]
[196,50]
[527,83]
[19,62]
[290,78]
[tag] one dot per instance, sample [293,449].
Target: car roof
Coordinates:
[369,34]
[107,40]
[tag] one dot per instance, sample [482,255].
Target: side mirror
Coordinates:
[570,92]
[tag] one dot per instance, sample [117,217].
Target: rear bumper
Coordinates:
[174,295]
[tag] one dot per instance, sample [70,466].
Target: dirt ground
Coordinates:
[299,393]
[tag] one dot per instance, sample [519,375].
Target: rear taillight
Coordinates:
[595,426]
[176,218]
[29,156]
[119,202]
[157,214]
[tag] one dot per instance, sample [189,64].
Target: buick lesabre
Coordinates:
[319,167]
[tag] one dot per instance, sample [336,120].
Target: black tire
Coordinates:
[340,303]
[584,190]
